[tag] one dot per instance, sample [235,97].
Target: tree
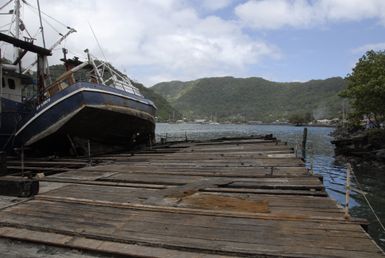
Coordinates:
[366,87]
[299,119]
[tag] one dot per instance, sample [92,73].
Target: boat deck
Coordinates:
[230,197]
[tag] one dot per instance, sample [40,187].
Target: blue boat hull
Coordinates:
[89,112]
[11,116]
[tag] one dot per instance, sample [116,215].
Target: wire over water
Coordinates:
[362,192]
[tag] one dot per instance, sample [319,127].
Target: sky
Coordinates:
[163,40]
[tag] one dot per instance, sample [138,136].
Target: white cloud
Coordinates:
[156,39]
[370,46]
[274,14]
[214,5]
[351,10]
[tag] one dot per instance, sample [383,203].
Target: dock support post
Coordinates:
[22,160]
[72,145]
[304,139]
[347,194]
[150,142]
[89,152]
[311,152]
[311,167]
[3,165]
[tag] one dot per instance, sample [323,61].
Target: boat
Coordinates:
[91,106]
[16,90]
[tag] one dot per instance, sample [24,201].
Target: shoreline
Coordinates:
[368,144]
[293,125]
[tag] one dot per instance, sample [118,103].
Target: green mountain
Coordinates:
[165,110]
[242,99]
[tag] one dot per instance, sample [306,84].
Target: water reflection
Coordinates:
[320,156]
[372,181]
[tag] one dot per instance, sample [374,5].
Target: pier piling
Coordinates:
[3,164]
[304,140]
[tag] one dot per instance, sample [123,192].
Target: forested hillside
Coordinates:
[243,99]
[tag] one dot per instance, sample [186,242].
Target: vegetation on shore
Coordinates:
[364,135]
[366,89]
[300,119]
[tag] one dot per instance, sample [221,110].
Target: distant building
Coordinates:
[200,121]
[327,121]
[324,121]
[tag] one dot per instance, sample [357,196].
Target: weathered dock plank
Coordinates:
[225,198]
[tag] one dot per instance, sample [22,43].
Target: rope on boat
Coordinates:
[33,9]
[7,32]
[4,5]
[366,199]
[97,41]
[56,20]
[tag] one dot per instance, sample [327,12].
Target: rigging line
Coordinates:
[22,22]
[9,29]
[5,25]
[367,201]
[48,23]
[76,53]
[22,15]
[4,5]
[26,30]
[30,5]
[97,41]
[36,33]
[52,27]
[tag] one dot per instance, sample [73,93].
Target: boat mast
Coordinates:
[17,30]
[43,38]
[57,43]
[41,23]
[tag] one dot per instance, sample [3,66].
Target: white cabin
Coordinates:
[15,86]
[11,88]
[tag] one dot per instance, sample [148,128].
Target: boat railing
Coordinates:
[109,76]
[62,82]
[101,73]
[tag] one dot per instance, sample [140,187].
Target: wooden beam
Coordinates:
[25,45]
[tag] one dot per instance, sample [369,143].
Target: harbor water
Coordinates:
[319,155]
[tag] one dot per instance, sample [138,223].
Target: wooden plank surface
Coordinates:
[228,198]
[227,235]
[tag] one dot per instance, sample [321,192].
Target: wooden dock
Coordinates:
[224,198]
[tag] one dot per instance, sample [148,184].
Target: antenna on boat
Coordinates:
[115,77]
[97,41]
